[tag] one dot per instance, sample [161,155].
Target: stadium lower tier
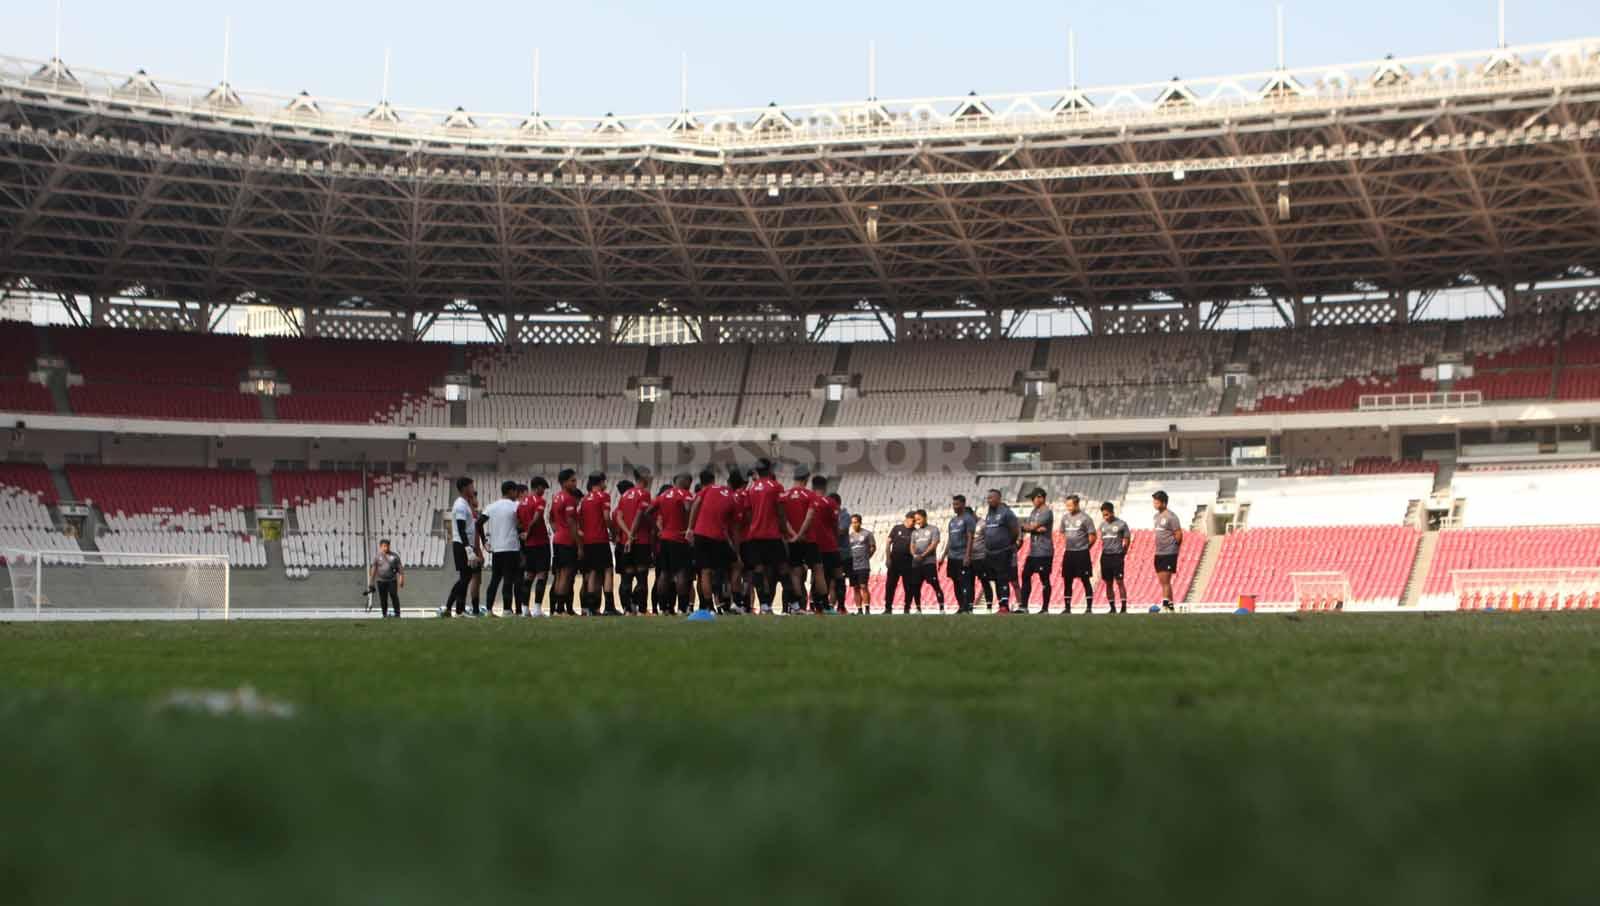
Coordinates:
[1375,559]
[1550,562]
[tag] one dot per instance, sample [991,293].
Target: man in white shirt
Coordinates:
[505,543]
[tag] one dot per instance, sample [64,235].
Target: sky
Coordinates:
[624,57]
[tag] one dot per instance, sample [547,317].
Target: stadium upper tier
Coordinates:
[776,385]
[1393,175]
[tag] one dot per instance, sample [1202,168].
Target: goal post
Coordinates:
[1321,591]
[1575,588]
[98,584]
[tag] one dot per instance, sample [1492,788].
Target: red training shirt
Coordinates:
[762,499]
[717,510]
[628,508]
[592,515]
[672,509]
[530,519]
[825,524]
[561,512]
[796,503]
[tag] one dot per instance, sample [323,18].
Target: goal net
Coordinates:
[1321,591]
[1576,588]
[99,585]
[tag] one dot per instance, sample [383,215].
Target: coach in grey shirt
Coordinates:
[1078,534]
[960,536]
[1001,533]
[1040,529]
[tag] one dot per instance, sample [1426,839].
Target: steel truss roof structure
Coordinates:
[1390,177]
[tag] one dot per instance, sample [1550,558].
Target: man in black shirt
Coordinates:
[902,569]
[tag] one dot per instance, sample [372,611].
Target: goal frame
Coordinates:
[1522,589]
[66,558]
[1314,584]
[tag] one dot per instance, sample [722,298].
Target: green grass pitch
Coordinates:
[1340,759]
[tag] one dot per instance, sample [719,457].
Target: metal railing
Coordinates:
[1399,402]
[1216,464]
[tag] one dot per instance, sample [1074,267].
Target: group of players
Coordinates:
[748,542]
[732,546]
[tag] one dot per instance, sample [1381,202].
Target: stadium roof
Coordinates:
[1388,176]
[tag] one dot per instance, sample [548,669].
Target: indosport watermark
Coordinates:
[846,456]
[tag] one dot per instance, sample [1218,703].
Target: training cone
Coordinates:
[703,616]
[1243,612]
[1155,608]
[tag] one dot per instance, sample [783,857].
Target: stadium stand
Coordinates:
[558,387]
[18,351]
[920,383]
[779,389]
[327,520]
[1512,548]
[1134,377]
[705,386]
[1380,465]
[930,406]
[1329,369]
[26,495]
[361,381]
[157,374]
[172,511]
[1376,559]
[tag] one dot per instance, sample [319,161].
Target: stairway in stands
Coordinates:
[1202,573]
[744,381]
[458,365]
[260,359]
[646,412]
[841,365]
[1420,567]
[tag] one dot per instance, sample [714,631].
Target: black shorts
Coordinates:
[1111,567]
[565,556]
[676,556]
[803,553]
[536,559]
[596,557]
[1166,563]
[642,555]
[860,578]
[831,562]
[764,552]
[712,553]
[1077,565]
[928,570]
[1002,566]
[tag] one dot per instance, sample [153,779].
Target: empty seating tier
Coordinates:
[1376,559]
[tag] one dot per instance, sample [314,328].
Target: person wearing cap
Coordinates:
[1040,529]
[1002,536]
[1078,536]
[1169,540]
[1115,538]
[386,577]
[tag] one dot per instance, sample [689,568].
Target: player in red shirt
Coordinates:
[825,535]
[798,504]
[535,545]
[763,551]
[564,541]
[594,537]
[713,522]
[635,523]
[672,524]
